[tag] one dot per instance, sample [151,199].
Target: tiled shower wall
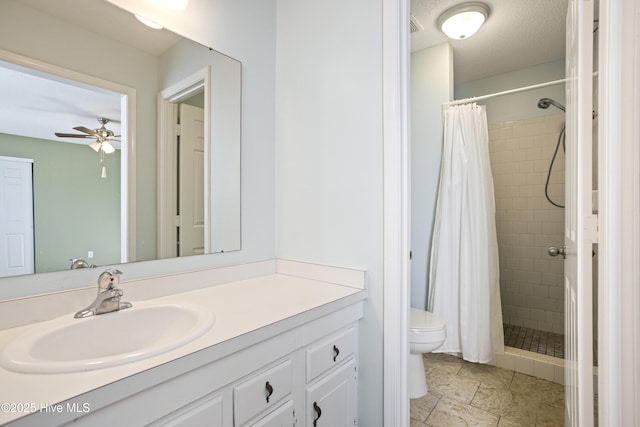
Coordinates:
[531,282]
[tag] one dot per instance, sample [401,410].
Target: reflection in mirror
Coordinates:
[66,203]
[79,214]
[182,196]
[191,176]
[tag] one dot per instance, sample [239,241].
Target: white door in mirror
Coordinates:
[16,217]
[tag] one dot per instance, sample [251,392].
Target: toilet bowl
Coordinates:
[427,333]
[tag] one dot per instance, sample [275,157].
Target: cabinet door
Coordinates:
[331,401]
[203,412]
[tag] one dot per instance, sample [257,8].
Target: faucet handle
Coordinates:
[109,279]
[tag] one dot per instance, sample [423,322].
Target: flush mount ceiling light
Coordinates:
[148,22]
[462,21]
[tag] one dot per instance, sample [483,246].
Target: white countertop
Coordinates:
[245,311]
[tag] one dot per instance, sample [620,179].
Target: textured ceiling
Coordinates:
[517,34]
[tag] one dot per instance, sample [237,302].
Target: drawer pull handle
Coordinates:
[336,350]
[318,414]
[269,390]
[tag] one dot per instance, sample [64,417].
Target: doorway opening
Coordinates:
[184,168]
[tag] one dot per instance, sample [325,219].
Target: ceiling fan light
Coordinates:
[148,22]
[107,147]
[95,146]
[464,20]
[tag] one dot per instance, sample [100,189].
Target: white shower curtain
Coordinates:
[464,272]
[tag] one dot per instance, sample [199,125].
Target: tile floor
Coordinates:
[533,340]
[540,342]
[470,394]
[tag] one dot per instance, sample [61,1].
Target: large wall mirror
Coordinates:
[159,178]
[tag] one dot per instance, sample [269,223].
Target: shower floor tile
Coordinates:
[528,339]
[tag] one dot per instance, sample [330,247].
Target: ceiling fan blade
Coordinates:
[87,130]
[72,135]
[107,147]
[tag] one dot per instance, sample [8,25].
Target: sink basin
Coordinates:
[67,344]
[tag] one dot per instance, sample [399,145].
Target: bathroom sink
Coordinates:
[68,344]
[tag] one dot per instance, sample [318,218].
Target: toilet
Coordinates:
[427,333]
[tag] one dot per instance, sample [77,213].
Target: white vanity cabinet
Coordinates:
[274,396]
[284,377]
[203,412]
[279,417]
[331,373]
[263,398]
[331,401]
[242,403]
[261,392]
[330,352]
[283,351]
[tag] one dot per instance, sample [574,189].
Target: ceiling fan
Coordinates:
[102,136]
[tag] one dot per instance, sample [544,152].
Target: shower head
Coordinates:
[545,102]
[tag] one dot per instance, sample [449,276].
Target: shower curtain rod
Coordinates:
[506,92]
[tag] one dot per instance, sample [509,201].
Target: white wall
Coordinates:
[329,155]
[431,86]
[522,105]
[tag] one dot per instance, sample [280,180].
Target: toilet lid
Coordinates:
[421,320]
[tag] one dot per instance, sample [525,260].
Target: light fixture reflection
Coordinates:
[148,23]
[464,20]
[174,4]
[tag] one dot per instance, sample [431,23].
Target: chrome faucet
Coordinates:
[109,295]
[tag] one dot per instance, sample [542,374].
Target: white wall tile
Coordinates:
[527,224]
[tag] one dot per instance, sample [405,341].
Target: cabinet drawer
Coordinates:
[329,352]
[261,392]
[280,417]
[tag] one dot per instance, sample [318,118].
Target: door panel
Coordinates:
[191,181]
[580,222]
[16,217]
